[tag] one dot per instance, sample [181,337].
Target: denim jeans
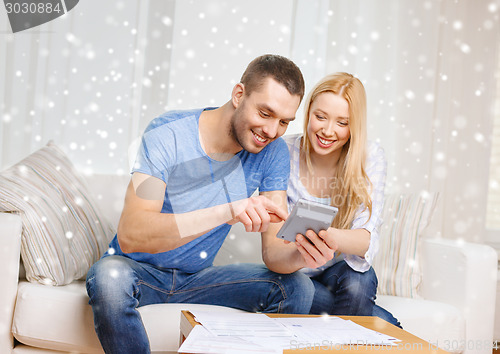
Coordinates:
[340,290]
[117,285]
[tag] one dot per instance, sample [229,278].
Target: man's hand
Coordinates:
[256,213]
[316,249]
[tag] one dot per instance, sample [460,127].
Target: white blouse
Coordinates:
[376,169]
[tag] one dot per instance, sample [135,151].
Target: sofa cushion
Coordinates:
[397,263]
[64,232]
[438,323]
[60,318]
[55,317]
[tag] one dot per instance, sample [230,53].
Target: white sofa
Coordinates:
[456,309]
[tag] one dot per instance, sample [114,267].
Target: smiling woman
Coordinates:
[334,150]
[329,123]
[335,125]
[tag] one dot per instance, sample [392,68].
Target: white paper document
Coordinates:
[257,333]
[201,340]
[334,330]
[241,324]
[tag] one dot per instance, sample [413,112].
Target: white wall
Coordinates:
[93,79]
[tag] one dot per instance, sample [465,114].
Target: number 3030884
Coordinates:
[32,8]
[470,345]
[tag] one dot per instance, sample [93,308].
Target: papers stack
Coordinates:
[257,333]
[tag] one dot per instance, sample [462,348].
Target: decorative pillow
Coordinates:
[397,262]
[63,231]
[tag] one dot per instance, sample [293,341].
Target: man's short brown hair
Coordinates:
[281,69]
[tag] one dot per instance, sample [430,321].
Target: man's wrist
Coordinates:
[233,215]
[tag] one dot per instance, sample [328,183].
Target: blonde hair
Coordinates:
[351,181]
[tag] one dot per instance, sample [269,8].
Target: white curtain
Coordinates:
[429,70]
[93,79]
[84,81]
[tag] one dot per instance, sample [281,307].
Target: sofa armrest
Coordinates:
[463,274]
[10,247]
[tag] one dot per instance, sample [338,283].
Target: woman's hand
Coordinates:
[316,249]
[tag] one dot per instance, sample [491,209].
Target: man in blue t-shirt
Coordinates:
[194,177]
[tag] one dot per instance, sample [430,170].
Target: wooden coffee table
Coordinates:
[409,343]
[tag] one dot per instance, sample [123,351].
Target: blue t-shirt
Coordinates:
[171,151]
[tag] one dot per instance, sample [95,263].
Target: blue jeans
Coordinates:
[117,285]
[340,290]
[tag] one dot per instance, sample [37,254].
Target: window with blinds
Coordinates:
[493,207]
